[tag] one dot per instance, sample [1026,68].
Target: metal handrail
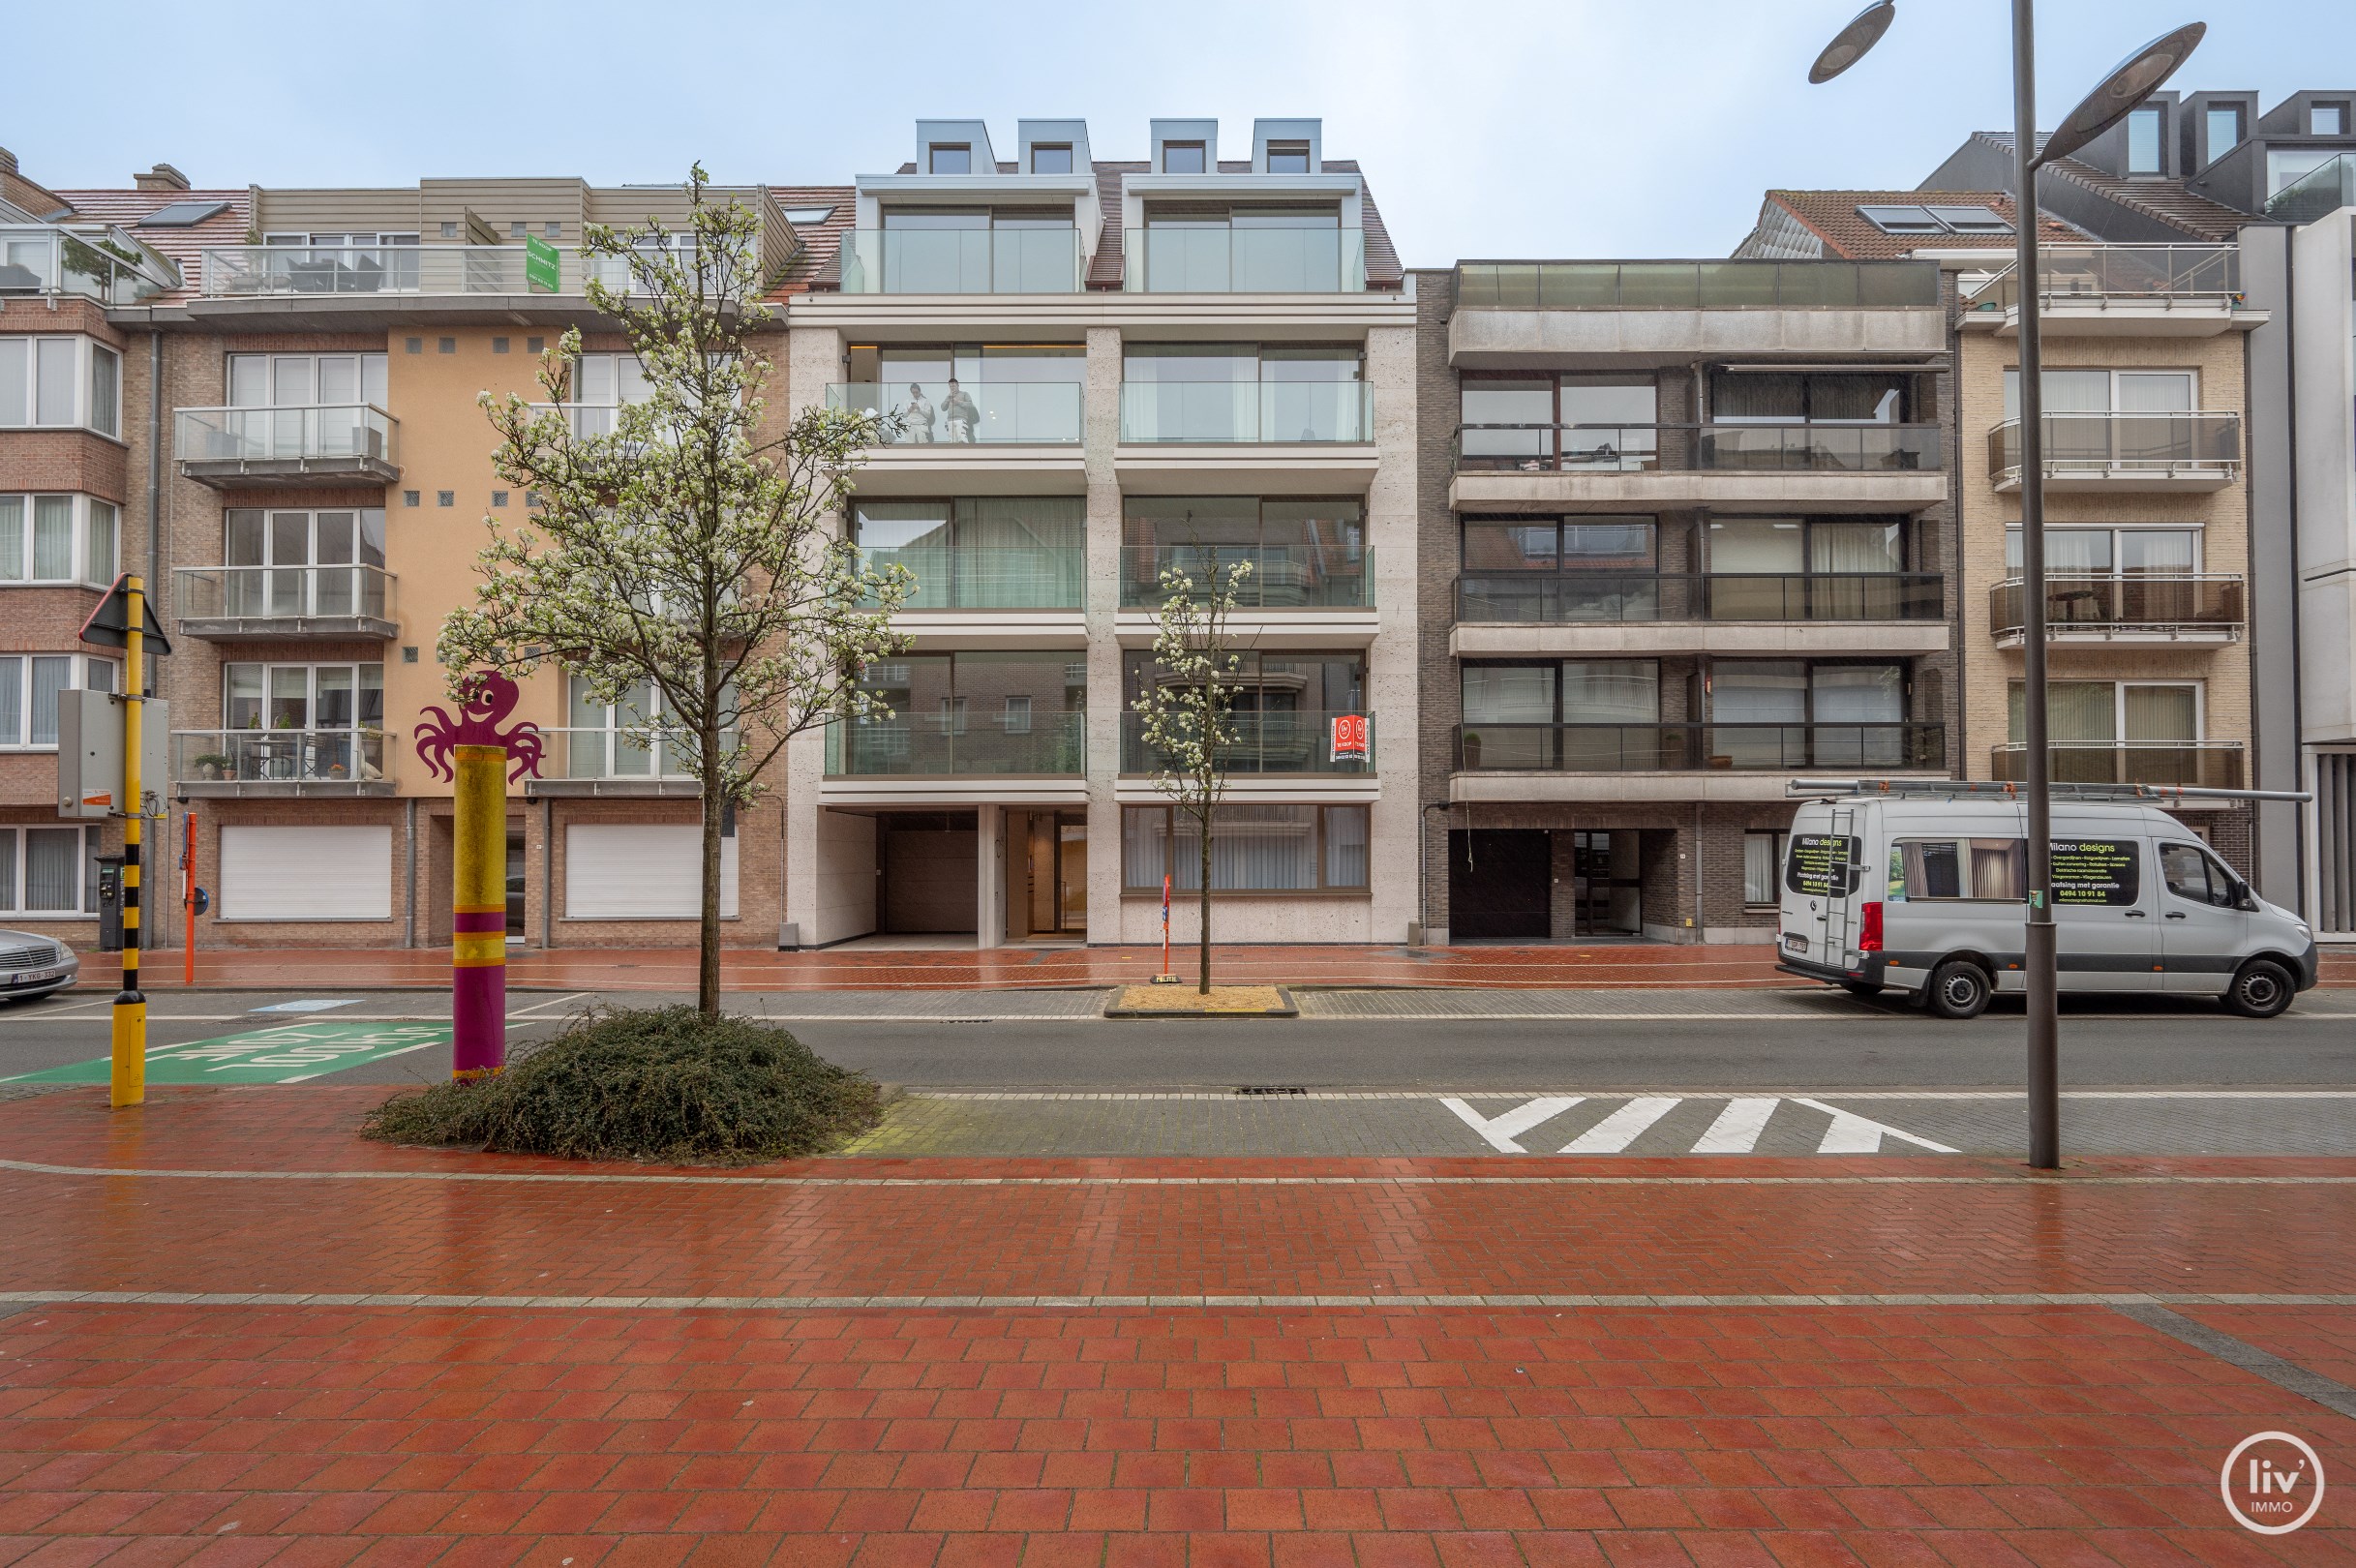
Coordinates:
[1721,445]
[1282,577]
[347,590]
[359,431]
[2206,273]
[1698,746]
[1050,742]
[2156,599]
[1742,283]
[2200,440]
[322,756]
[1265,742]
[1549,596]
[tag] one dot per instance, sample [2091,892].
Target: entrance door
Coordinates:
[1070,874]
[515,883]
[1500,881]
[1606,887]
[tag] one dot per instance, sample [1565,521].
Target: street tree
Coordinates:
[1186,711]
[681,545]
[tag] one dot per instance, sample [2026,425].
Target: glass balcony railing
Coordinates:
[1040,742]
[1247,411]
[1568,598]
[1616,748]
[1748,448]
[2167,273]
[43,259]
[2316,194]
[961,261]
[1213,258]
[360,431]
[2106,602]
[2208,764]
[234,270]
[1265,742]
[277,756]
[2128,446]
[296,595]
[1282,577]
[986,578]
[933,414]
[1671,285]
[594,752]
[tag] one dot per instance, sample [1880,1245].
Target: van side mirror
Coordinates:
[2243,899]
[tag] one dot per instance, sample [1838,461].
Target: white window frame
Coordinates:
[18,573]
[85,414]
[85,673]
[310,695]
[2192,373]
[2199,530]
[2118,713]
[12,885]
[369,364]
[1781,839]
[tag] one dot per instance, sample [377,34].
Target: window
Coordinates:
[1280,692]
[302,696]
[2286,166]
[1255,849]
[1565,692]
[2104,552]
[626,739]
[2102,391]
[979,552]
[1243,392]
[1288,158]
[48,871]
[2143,141]
[2224,127]
[1795,545]
[974,392]
[29,684]
[2327,120]
[1583,544]
[2107,713]
[1052,157]
[1901,220]
[267,554]
[1302,552]
[1762,858]
[2192,874]
[1183,158]
[1791,397]
[58,539]
[61,382]
[950,158]
[307,381]
[1947,869]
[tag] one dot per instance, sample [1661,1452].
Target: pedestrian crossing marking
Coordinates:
[1737,1127]
[1619,1129]
[1734,1129]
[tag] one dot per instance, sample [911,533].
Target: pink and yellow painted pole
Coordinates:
[478,942]
[481,760]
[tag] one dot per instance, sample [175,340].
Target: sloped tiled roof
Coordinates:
[822,243]
[2164,202]
[1833,217]
[124,208]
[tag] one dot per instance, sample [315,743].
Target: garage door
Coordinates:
[306,874]
[639,871]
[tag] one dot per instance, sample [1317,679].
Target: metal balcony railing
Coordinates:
[1543,598]
[2203,602]
[1282,577]
[1265,742]
[353,756]
[1213,258]
[2174,273]
[1616,749]
[360,431]
[232,271]
[986,578]
[2129,446]
[933,414]
[1041,742]
[1044,261]
[1307,412]
[263,599]
[629,752]
[1722,447]
[2209,765]
[1730,285]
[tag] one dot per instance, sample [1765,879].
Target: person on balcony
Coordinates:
[916,420]
[958,408]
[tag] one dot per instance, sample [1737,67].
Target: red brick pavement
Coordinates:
[1361,1434]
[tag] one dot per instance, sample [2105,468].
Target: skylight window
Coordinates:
[183,214]
[1934,220]
[802,216]
[1971,220]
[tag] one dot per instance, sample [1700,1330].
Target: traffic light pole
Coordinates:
[128,1076]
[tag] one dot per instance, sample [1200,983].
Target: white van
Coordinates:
[1928,896]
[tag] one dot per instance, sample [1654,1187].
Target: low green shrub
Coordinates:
[665,1085]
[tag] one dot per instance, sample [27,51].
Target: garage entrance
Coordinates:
[1500,883]
[928,881]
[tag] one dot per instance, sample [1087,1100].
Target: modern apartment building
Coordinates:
[1687,532]
[1097,372]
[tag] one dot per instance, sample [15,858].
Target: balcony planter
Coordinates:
[210,765]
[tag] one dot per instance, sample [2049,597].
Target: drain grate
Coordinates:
[1272,1088]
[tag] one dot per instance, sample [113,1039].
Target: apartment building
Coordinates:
[1093,373]
[1687,533]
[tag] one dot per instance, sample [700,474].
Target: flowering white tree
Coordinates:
[683,546]
[1187,710]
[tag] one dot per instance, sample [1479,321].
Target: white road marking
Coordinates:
[1501,1132]
[1621,1127]
[541,1007]
[1737,1127]
[1852,1133]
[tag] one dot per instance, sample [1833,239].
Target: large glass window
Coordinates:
[29,684]
[1608,422]
[2106,713]
[1268,848]
[973,713]
[303,696]
[1592,544]
[58,539]
[303,563]
[1243,392]
[1803,397]
[984,551]
[2143,141]
[2104,550]
[2103,391]
[1301,551]
[61,382]
[971,392]
[306,380]
[2224,126]
[1567,691]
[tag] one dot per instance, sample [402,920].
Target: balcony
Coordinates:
[1527,313]
[961,261]
[2124,452]
[2120,291]
[278,762]
[254,602]
[1006,413]
[1670,748]
[1247,413]
[598,762]
[251,271]
[1183,258]
[1265,743]
[2119,608]
[948,578]
[2317,194]
[286,448]
[1821,467]
[1282,577]
[43,259]
[935,746]
[1566,613]
[2208,764]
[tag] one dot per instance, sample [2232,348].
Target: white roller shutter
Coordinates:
[640,871]
[306,874]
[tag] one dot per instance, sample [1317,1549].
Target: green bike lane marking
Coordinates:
[288,1054]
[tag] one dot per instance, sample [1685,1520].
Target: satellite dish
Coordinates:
[1853,40]
[2136,78]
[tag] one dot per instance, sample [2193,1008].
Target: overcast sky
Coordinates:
[1565,128]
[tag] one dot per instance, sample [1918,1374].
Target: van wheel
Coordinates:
[1958,989]
[1862,988]
[2261,990]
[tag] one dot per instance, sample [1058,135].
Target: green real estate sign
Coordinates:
[289,1054]
[539,266]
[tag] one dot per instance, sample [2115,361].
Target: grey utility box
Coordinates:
[90,754]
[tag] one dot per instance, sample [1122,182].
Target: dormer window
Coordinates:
[2327,120]
[950,158]
[2143,141]
[1052,157]
[2225,122]
[1183,158]
[1288,158]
